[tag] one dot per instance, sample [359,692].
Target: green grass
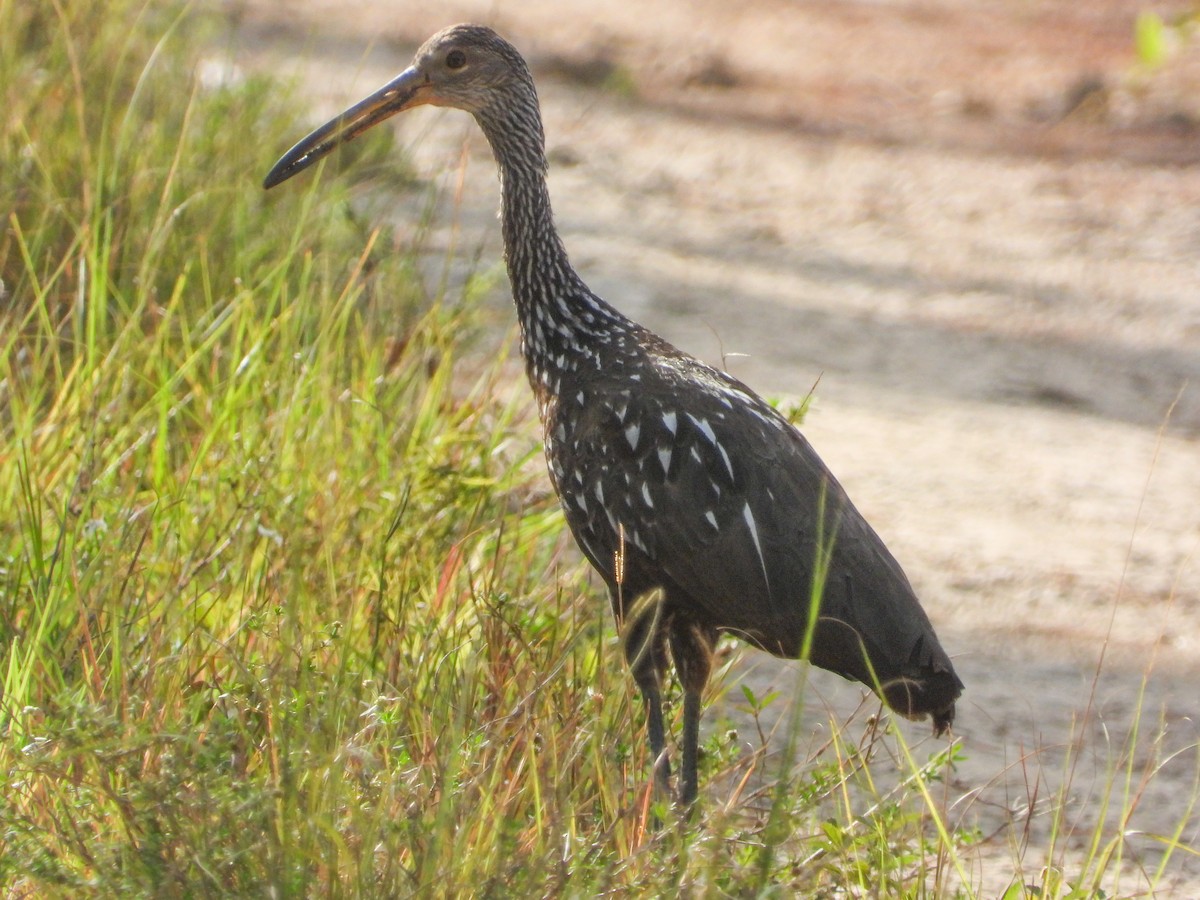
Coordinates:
[285,606]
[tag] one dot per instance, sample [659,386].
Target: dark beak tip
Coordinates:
[279,173]
[393,97]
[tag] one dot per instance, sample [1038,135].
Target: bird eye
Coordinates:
[456,59]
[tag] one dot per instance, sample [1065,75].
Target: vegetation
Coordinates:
[285,607]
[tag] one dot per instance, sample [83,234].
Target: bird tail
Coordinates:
[932,695]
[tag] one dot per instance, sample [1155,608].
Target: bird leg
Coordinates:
[652,696]
[689,786]
[645,639]
[691,647]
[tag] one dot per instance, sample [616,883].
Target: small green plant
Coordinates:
[1155,39]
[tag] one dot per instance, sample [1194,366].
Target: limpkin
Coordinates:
[703,509]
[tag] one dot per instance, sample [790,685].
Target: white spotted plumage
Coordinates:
[632,433]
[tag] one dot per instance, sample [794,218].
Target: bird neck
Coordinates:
[566,330]
[537,260]
[554,306]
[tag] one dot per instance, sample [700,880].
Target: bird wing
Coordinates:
[723,502]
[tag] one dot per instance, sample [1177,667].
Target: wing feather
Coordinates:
[728,507]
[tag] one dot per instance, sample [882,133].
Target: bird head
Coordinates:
[465,66]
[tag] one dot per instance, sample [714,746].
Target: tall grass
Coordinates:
[285,607]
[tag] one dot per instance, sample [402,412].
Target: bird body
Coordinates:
[702,508]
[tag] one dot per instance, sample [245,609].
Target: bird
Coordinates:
[702,508]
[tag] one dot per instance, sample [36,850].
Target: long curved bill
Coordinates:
[401,93]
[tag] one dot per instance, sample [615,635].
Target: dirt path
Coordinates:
[977,227]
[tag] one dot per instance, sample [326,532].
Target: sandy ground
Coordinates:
[979,226]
